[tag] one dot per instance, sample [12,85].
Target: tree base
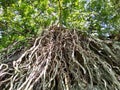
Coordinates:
[62,59]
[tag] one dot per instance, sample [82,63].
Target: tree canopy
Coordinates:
[23,18]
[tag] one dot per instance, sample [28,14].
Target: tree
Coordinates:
[79,50]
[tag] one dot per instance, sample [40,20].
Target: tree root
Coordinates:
[62,59]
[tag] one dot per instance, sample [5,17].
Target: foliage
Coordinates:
[22,18]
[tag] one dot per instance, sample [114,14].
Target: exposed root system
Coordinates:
[62,59]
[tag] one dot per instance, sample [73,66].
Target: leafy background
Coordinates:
[22,19]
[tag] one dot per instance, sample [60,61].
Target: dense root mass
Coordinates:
[62,59]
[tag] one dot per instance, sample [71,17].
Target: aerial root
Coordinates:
[63,60]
